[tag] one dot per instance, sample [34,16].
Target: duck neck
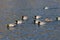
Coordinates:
[16,22]
[34,21]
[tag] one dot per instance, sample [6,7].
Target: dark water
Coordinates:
[10,10]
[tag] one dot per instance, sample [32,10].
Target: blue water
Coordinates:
[10,10]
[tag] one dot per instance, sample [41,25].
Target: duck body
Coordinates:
[46,8]
[18,22]
[11,26]
[38,22]
[48,20]
[37,17]
[24,18]
[42,23]
[57,18]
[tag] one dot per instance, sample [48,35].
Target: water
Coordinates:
[10,10]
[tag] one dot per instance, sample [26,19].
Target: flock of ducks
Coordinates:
[12,25]
[36,21]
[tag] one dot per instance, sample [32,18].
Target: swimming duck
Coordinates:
[46,8]
[24,18]
[18,22]
[10,25]
[57,18]
[39,22]
[48,20]
[36,21]
[42,23]
[37,17]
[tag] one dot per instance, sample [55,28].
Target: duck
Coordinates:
[48,20]
[46,8]
[37,17]
[38,22]
[41,23]
[24,18]
[57,18]
[11,25]
[18,22]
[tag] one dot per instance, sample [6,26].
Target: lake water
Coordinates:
[10,10]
